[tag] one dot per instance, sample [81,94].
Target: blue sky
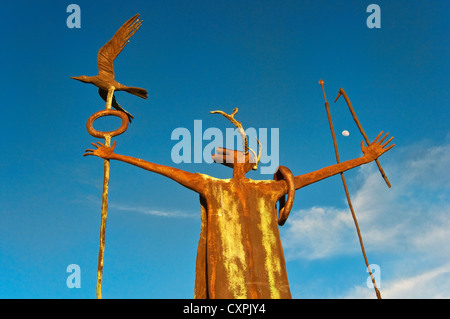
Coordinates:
[265,57]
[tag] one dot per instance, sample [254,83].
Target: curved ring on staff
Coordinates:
[285,204]
[102,113]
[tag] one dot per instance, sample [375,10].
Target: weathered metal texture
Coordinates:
[285,204]
[240,253]
[105,79]
[108,112]
[347,194]
[106,83]
[107,136]
[355,118]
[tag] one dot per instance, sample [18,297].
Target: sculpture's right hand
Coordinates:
[101,150]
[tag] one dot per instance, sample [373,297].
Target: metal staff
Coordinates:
[327,106]
[101,251]
[107,136]
[106,83]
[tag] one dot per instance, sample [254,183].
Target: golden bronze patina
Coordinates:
[107,136]
[240,254]
[105,79]
[347,194]
[106,83]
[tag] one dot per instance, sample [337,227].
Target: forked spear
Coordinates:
[355,118]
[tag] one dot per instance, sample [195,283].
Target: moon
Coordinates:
[345,133]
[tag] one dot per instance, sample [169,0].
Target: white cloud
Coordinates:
[429,284]
[145,210]
[154,212]
[434,283]
[411,220]
[319,232]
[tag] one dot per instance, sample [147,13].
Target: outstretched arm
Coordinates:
[371,152]
[192,181]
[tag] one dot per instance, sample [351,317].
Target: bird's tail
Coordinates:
[120,108]
[137,91]
[104,94]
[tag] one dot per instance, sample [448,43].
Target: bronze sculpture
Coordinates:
[106,55]
[239,252]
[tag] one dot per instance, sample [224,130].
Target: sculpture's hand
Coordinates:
[376,149]
[101,150]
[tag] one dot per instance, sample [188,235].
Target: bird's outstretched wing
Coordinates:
[113,47]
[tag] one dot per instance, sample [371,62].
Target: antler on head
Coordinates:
[258,158]
[238,125]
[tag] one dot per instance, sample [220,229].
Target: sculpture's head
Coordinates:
[83,78]
[235,159]
[239,161]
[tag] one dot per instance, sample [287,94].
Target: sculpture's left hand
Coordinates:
[376,149]
[101,150]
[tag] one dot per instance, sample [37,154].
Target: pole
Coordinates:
[327,106]
[101,251]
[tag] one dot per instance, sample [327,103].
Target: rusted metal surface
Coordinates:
[347,194]
[241,131]
[108,112]
[106,165]
[285,204]
[240,254]
[107,136]
[106,56]
[355,118]
[106,83]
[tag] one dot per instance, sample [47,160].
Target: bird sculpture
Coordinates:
[104,80]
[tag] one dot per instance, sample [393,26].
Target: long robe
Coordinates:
[239,252]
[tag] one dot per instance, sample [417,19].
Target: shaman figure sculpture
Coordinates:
[240,254]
